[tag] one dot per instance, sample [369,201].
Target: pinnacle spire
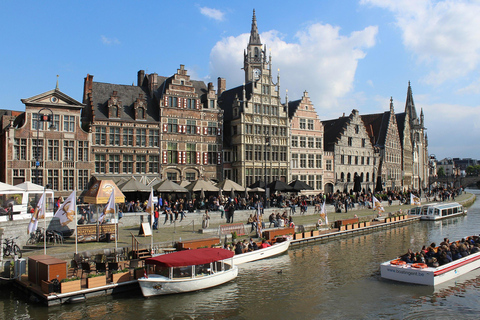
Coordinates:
[254,36]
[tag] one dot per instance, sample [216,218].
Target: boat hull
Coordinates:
[156,285]
[430,276]
[259,254]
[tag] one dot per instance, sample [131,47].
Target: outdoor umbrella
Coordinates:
[202,184]
[298,185]
[279,186]
[257,189]
[169,186]
[134,185]
[258,184]
[228,184]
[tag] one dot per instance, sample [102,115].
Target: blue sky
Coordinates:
[346,54]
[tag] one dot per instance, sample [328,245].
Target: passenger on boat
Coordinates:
[238,248]
[475,248]
[272,220]
[252,246]
[265,244]
[408,257]
[245,245]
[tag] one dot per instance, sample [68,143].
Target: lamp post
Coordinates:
[40,119]
[267,144]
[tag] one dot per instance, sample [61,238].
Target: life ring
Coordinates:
[397,262]
[419,265]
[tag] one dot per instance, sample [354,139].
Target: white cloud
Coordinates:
[109,41]
[442,34]
[212,13]
[321,61]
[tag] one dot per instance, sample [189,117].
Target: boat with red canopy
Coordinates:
[186,271]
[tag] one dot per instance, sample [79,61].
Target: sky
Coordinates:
[346,54]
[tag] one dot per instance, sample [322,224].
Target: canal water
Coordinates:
[339,279]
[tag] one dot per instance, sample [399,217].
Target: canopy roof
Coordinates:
[228,185]
[7,187]
[190,257]
[299,185]
[100,191]
[133,185]
[279,186]
[169,186]
[201,184]
[29,186]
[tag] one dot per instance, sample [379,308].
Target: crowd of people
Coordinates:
[446,252]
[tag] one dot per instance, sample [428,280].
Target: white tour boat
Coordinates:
[419,273]
[275,249]
[437,211]
[188,270]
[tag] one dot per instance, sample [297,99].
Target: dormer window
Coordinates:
[114,105]
[140,108]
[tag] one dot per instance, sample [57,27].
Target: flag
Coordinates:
[145,275]
[149,207]
[377,205]
[39,213]
[259,223]
[414,200]
[66,212]
[323,213]
[109,208]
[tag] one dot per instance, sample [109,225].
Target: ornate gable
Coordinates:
[114,106]
[140,108]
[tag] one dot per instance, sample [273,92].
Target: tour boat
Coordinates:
[419,273]
[275,249]
[437,211]
[188,270]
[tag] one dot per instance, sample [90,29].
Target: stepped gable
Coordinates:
[332,129]
[292,107]
[401,125]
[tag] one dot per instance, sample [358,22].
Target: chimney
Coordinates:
[210,86]
[87,87]
[222,85]
[153,77]
[140,77]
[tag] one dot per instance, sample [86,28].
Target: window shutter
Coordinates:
[198,158]
[179,155]
[165,127]
[179,128]
[184,129]
[197,103]
[205,158]
[184,103]
[184,157]
[219,131]
[165,101]
[219,158]
[205,131]
[199,130]
[180,102]
[164,156]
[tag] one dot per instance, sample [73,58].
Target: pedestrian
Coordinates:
[205,220]
[155,222]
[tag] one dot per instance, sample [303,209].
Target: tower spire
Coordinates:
[254,36]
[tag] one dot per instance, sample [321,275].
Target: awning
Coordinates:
[190,257]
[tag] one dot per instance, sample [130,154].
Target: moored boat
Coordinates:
[420,273]
[437,211]
[275,249]
[188,270]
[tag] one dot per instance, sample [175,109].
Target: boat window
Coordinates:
[182,272]
[218,266]
[455,210]
[450,211]
[163,271]
[437,212]
[202,270]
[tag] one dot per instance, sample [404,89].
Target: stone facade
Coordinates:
[353,152]
[306,149]
[256,122]
[162,128]
[63,160]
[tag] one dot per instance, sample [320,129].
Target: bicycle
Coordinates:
[10,247]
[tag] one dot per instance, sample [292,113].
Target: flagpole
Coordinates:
[116,222]
[76,223]
[44,223]
[151,217]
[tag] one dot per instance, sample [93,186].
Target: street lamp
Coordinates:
[267,144]
[40,119]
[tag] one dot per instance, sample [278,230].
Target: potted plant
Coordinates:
[234,236]
[307,234]
[315,233]
[96,280]
[367,223]
[349,226]
[298,235]
[138,272]
[70,285]
[118,276]
[343,228]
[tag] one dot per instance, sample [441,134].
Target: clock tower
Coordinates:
[255,61]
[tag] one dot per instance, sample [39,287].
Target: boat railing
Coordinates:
[135,243]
